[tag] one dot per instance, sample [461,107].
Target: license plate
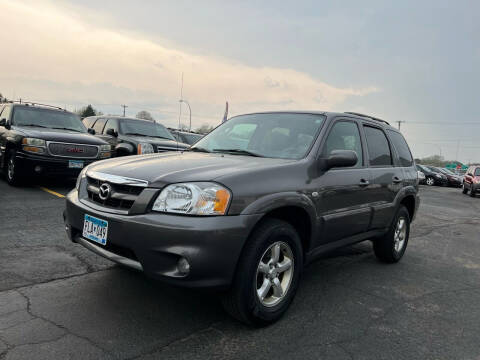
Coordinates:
[95,229]
[75,164]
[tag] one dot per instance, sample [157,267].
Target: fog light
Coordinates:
[38,169]
[183,266]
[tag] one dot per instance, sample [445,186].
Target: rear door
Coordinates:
[387,178]
[343,199]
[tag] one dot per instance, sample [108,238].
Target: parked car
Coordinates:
[471,181]
[452,178]
[186,137]
[130,136]
[45,140]
[432,177]
[250,204]
[421,177]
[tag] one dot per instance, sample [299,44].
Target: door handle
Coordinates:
[363,182]
[396,180]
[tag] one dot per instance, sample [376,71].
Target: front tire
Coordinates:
[267,276]
[465,189]
[391,247]
[430,181]
[12,171]
[472,191]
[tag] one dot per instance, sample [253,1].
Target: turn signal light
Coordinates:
[34,149]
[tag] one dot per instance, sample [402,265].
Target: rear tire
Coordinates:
[12,171]
[267,277]
[472,191]
[391,247]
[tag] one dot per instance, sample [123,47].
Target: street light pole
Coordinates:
[190,111]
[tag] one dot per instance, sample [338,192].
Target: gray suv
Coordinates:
[250,204]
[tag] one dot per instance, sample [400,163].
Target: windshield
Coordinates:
[144,128]
[446,171]
[191,138]
[24,116]
[275,135]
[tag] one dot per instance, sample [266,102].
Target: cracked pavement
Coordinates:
[58,300]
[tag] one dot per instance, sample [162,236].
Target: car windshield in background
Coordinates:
[191,138]
[274,135]
[24,116]
[144,128]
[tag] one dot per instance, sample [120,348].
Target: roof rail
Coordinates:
[31,103]
[367,116]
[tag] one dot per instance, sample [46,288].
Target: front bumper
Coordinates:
[154,243]
[48,165]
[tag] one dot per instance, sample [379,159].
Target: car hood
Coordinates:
[59,135]
[167,168]
[164,143]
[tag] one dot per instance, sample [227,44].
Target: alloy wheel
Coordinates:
[274,274]
[430,181]
[400,234]
[11,168]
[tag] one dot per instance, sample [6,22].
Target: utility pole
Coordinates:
[124,107]
[399,123]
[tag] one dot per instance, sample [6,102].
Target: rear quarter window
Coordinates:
[401,146]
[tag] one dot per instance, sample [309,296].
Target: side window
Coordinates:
[401,146]
[89,121]
[6,112]
[378,147]
[98,127]
[477,172]
[344,135]
[111,124]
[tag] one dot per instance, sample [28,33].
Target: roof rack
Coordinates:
[367,116]
[31,103]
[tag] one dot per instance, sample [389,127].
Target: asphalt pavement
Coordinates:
[59,301]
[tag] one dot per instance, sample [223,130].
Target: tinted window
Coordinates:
[274,135]
[54,119]
[144,128]
[89,121]
[378,148]
[401,146]
[111,124]
[344,136]
[98,127]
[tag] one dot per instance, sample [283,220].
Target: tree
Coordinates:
[204,129]
[145,115]
[87,111]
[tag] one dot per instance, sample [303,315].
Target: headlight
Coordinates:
[104,148]
[145,148]
[33,141]
[81,176]
[34,145]
[202,198]
[437,176]
[104,151]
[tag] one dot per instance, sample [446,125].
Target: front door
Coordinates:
[343,193]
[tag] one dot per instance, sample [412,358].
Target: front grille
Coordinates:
[121,197]
[73,150]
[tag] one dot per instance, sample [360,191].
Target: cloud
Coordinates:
[76,60]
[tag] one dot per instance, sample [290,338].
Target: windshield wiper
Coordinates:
[33,125]
[64,128]
[136,134]
[238,151]
[199,149]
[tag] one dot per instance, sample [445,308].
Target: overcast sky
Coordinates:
[412,61]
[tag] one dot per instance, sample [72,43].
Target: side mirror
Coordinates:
[91,131]
[112,132]
[3,122]
[340,158]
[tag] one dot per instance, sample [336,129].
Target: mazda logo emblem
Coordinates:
[104,191]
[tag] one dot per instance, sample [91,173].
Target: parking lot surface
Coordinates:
[57,300]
